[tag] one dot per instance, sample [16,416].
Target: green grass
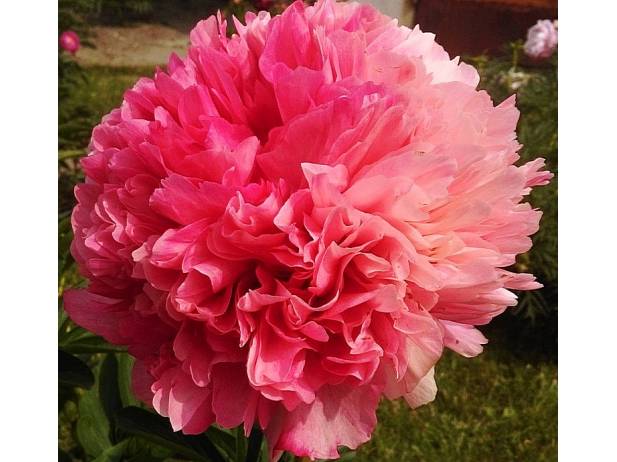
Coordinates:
[500,406]
[487,409]
[98,91]
[106,85]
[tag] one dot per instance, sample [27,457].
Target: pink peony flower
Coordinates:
[69,41]
[541,39]
[293,222]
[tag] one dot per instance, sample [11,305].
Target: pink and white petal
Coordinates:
[465,339]
[340,416]
[424,392]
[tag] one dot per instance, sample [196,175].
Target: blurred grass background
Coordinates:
[490,408]
[500,406]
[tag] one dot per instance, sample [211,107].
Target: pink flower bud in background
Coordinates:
[69,41]
[541,39]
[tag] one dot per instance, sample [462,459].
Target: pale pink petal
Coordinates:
[339,416]
[463,338]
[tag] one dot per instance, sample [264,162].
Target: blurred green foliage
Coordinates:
[77,14]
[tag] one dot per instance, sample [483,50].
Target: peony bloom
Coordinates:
[69,41]
[541,39]
[292,223]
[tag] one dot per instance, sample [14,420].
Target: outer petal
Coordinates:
[463,338]
[188,406]
[424,392]
[116,321]
[339,416]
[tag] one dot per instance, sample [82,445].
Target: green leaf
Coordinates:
[346,456]
[157,429]
[224,440]
[72,334]
[109,391]
[73,372]
[265,452]
[254,445]
[141,450]
[146,457]
[63,456]
[92,425]
[125,367]
[63,322]
[286,457]
[71,154]
[79,341]
[241,444]
[113,454]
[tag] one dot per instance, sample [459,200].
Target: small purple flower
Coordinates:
[541,39]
